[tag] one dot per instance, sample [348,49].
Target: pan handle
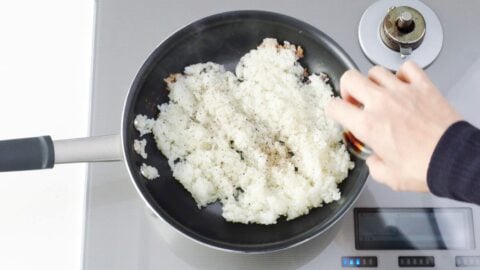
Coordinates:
[26,154]
[42,152]
[90,149]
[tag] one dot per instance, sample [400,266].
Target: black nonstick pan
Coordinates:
[221,38]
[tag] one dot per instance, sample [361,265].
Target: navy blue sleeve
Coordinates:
[454,169]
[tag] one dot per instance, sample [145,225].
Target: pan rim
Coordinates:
[186,232]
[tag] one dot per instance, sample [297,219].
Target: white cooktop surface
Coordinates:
[122,234]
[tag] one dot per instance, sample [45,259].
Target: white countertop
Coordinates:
[45,71]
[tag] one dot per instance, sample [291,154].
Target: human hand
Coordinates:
[402,119]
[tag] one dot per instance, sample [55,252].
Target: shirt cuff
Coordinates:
[449,167]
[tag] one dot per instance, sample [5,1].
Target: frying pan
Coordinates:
[222,38]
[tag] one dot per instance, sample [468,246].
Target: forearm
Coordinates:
[454,169]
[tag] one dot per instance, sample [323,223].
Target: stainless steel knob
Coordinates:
[403,29]
[405,22]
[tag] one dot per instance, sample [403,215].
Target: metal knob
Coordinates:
[405,22]
[403,29]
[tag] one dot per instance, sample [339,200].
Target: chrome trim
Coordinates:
[89,149]
[89,132]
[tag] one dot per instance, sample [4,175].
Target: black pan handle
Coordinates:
[27,154]
[42,153]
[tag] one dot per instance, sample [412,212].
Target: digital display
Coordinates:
[413,228]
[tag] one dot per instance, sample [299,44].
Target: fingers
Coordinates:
[410,72]
[384,78]
[348,115]
[356,88]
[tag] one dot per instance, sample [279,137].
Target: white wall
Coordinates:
[45,70]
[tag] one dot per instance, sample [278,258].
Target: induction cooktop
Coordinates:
[383,230]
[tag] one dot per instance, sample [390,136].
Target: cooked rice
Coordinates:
[258,140]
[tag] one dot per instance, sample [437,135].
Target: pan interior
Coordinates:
[223,39]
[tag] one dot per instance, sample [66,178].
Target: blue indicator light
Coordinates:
[359,261]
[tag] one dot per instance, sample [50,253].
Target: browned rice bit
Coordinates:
[171,78]
[299,52]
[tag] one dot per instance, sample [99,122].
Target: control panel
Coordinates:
[467,261]
[416,261]
[359,261]
[397,238]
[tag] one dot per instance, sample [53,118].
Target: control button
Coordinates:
[416,261]
[359,261]
[467,261]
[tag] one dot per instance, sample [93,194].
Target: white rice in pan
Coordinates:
[149,172]
[139,147]
[258,140]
